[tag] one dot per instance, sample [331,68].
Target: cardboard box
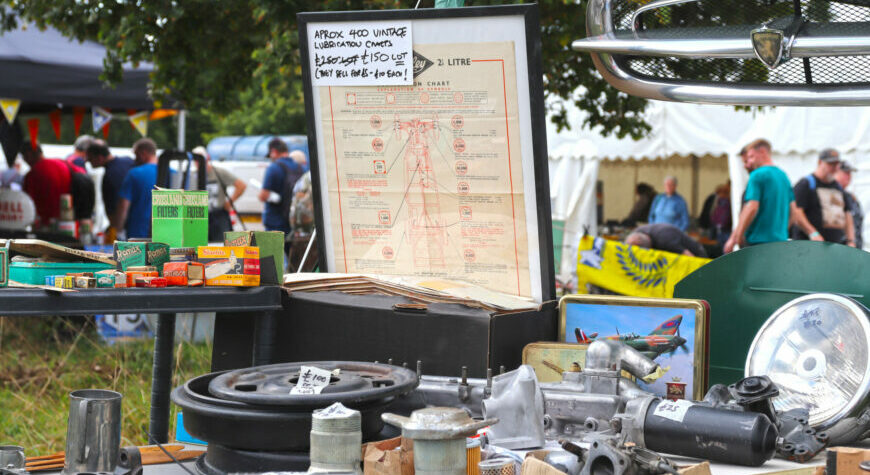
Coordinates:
[85,282]
[237,266]
[321,326]
[534,464]
[137,254]
[105,281]
[845,460]
[179,217]
[184,273]
[153,282]
[271,244]
[389,457]
[131,276]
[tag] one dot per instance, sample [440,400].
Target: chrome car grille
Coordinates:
[679,49]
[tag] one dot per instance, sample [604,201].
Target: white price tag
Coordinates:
[312,380]
[673,410]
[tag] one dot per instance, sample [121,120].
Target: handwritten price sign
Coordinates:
[312,380]
[673,410]
[361,54]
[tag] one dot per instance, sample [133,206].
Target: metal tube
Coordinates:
[161,378]
[265,336]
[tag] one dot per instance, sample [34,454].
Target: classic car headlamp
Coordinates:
[816,348]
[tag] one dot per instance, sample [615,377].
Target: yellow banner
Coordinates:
[10,108]
[631,270]
[140,122]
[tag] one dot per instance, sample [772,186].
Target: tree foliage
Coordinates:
[236,63]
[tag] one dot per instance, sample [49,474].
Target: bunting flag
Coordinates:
[78,116]
[106,131]
[33,128]
[139,121]
[10,108]
[54,117]
[631,270]
[100,118]
[162,114]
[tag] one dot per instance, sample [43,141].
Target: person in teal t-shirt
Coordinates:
[768,203]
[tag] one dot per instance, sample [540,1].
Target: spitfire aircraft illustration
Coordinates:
[665,338]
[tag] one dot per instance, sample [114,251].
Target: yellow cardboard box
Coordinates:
[237,266]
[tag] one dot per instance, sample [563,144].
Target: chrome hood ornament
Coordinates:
[769,45]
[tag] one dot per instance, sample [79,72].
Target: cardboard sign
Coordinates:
[361,54]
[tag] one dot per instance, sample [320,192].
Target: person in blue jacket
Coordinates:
[669,207]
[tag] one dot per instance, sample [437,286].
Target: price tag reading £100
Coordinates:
[673,410]
[312,380]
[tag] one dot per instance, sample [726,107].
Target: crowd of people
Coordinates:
[816,208]
[128,181]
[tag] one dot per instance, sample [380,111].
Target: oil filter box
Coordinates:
[271,244]
[179,217]
[235,266]
[184,273]
[136,254]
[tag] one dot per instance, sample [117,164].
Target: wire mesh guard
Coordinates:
[497,466]
[736,19]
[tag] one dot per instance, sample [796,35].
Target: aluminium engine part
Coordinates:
[439,438]
[564,461]
[518,404]
[587,401]
[606,454]
[336,440]
[441,391]
[600,402]
[816,349]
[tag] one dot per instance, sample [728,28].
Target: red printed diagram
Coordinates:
[424,232]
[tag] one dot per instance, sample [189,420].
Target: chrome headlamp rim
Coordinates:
[855,308]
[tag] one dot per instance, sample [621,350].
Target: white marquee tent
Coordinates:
[797,135]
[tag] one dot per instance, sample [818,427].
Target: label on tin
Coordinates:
[673,410]
[312,380]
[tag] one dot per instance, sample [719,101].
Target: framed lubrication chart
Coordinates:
[428,147]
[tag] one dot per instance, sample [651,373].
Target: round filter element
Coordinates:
[816,349]
[497,466]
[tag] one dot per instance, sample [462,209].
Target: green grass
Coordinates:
[43,360]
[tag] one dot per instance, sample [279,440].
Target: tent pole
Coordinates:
[182,122]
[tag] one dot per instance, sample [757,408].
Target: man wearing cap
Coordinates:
[278,182]
[824,202]
[79,155]
[768,203]
[844,177]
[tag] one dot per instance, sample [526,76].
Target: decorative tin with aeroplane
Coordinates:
[672,332]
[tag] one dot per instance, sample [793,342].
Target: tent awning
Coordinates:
[44,69]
